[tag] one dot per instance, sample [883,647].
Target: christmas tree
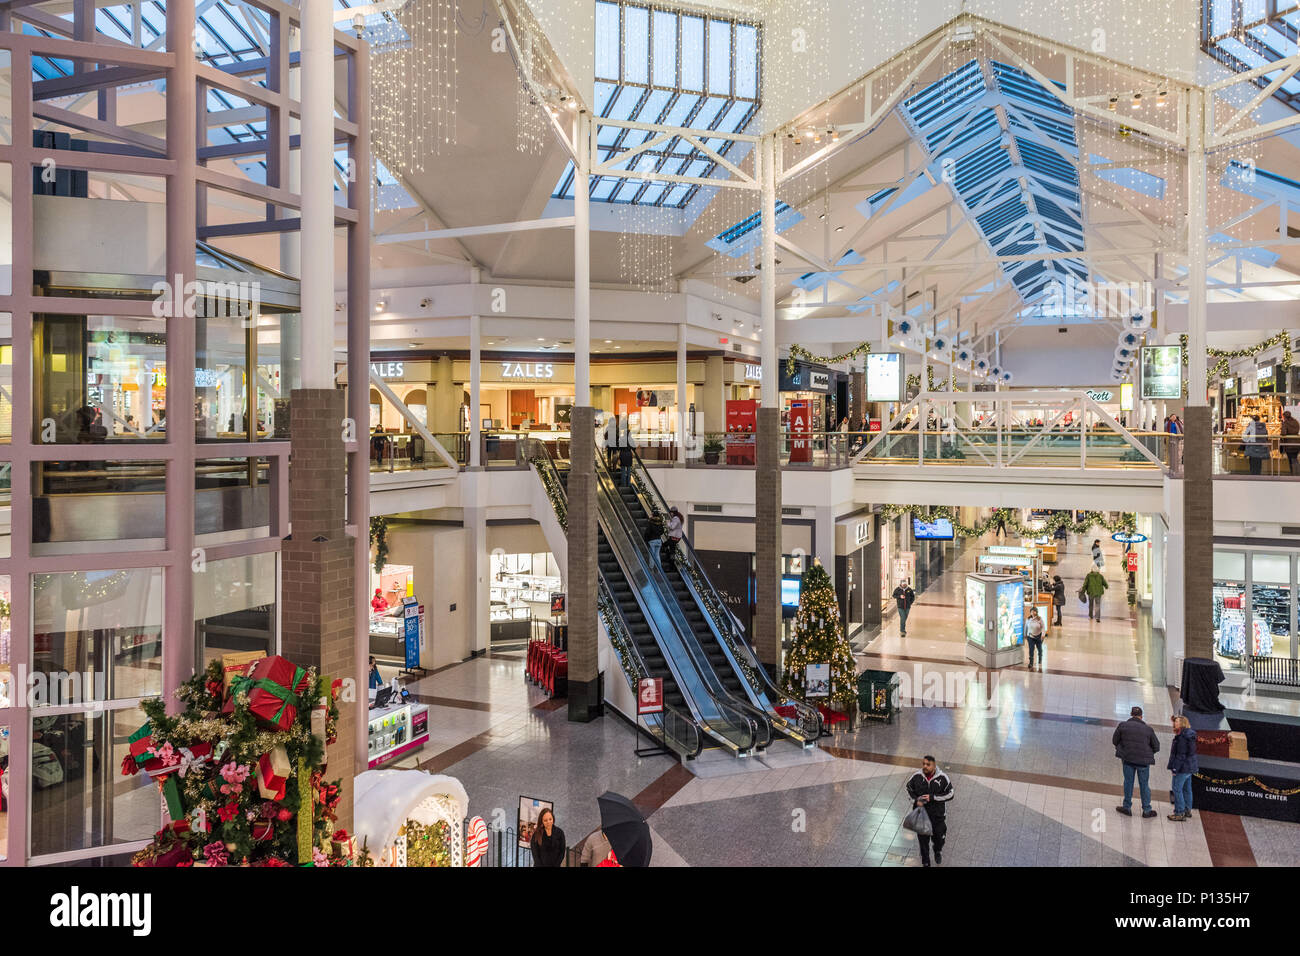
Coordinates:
[819,639]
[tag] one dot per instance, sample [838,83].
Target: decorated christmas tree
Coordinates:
[819,639]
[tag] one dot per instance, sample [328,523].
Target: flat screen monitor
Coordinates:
[790,590]
[1162,371]
[940,529]
[885,377]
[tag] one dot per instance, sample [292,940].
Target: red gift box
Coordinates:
[275,687]
[273,773]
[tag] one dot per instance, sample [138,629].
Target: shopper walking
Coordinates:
[612,430]
[654,536]
[1034,630]
[547,844]
[1098,559]
[904,597]
[930,787]
[625,465]
[1255,444]
[1094,586]
[1183,763]
[1058,596]
[1136,745]
[1174,428]
[1290,439]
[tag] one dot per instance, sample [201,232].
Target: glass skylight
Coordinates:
[1245,35]
[670,68]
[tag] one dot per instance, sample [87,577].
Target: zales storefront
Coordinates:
[857,564]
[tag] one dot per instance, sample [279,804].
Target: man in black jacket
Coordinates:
[1136,745]
[930,787]
[905,597]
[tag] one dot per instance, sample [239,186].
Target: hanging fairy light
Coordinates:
[414,75]
[530,120]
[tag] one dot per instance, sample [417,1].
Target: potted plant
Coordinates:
[712,449]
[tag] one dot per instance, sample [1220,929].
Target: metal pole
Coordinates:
[475,384]
[682,419]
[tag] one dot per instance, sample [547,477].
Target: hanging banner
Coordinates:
[411,621]
[742,424]
[800,432]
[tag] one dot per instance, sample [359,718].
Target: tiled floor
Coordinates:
[1029,754]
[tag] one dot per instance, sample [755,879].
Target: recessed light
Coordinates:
[540,339]
[839,228]
[609,341]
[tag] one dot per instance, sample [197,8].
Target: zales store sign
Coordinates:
[533,371]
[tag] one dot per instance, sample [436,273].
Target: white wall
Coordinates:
[436,552]
[1041,356]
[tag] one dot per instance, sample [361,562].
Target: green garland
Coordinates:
[379,541]
[1010,520]
[914,381]
[1221,368]
[799,352]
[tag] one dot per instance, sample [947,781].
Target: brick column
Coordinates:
[584,666]
[767,538]
[318,599]
[1198,533]
[858,414]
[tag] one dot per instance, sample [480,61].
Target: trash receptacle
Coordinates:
[878,694]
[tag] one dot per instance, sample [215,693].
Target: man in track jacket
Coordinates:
[930,787]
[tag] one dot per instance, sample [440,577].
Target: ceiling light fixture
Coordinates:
[1137,101]
[381,305]
[1111,105]
[1160,98]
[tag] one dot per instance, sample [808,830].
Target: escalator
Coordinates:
[714,627]
[649,634]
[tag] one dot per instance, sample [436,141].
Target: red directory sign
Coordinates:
[800,431]
[650,696]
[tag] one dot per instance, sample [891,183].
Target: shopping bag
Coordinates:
[918,821]
[1083,596]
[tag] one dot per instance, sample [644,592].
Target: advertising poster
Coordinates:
[817,680]
[530,810]
[411,631]
[975,623]
[1162,371]
[800,431]
[1011,614]
[1126,397]
[650,696]
[885,377]
[742,424]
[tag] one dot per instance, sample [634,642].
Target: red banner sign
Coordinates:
[650,696]
[1133,561]
[800,431]
[742,424]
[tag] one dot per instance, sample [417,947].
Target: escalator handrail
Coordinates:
[727,627]
[733,722]
[616,626]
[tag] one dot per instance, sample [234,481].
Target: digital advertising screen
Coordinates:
[940,529]
[790,590]
[1162,371]
[975,623]
[885,377]
[1011,614]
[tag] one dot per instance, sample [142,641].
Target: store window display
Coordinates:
[520,593]
[1270,604]
[1229,604]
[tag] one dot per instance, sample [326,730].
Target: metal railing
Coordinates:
[504,850]
[807,722]
[407,451]
[1032,429]
[1267,456]
[1279,671]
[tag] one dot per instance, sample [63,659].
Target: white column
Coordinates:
[475,381]
[582,263]
[767,272]
[316,67]
[683,421]
[1196,250]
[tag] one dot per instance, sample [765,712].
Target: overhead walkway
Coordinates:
[1013,449]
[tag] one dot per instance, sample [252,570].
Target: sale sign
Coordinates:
[1132,561]
[650,696]
[800,431]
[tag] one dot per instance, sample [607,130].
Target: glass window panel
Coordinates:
[6,378]
[665,48]
[708,113]
[693,53]
[6,184]
[1270,568]
[636,45]
[607,42]
[652,193]
[603,188]
[604,92]
[720,57]
[96,636]
[681,109]
[676,195]
[1229,566]
[747,61]
[6,655]
[75,503]
[626,103]
[79,798]
[733,121]
[220,382]
[653,109]
[234,606]
[99,378]
[230,494]
[279,371]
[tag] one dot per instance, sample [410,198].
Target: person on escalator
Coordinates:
[675,532]
[625,465]
[654,536]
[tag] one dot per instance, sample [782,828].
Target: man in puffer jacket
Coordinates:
[1183,763]
[1136,745]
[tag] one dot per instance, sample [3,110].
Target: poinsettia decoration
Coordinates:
[213,761]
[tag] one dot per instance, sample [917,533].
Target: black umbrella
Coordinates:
[625,828]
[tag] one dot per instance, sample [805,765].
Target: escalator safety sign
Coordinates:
[650,696]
